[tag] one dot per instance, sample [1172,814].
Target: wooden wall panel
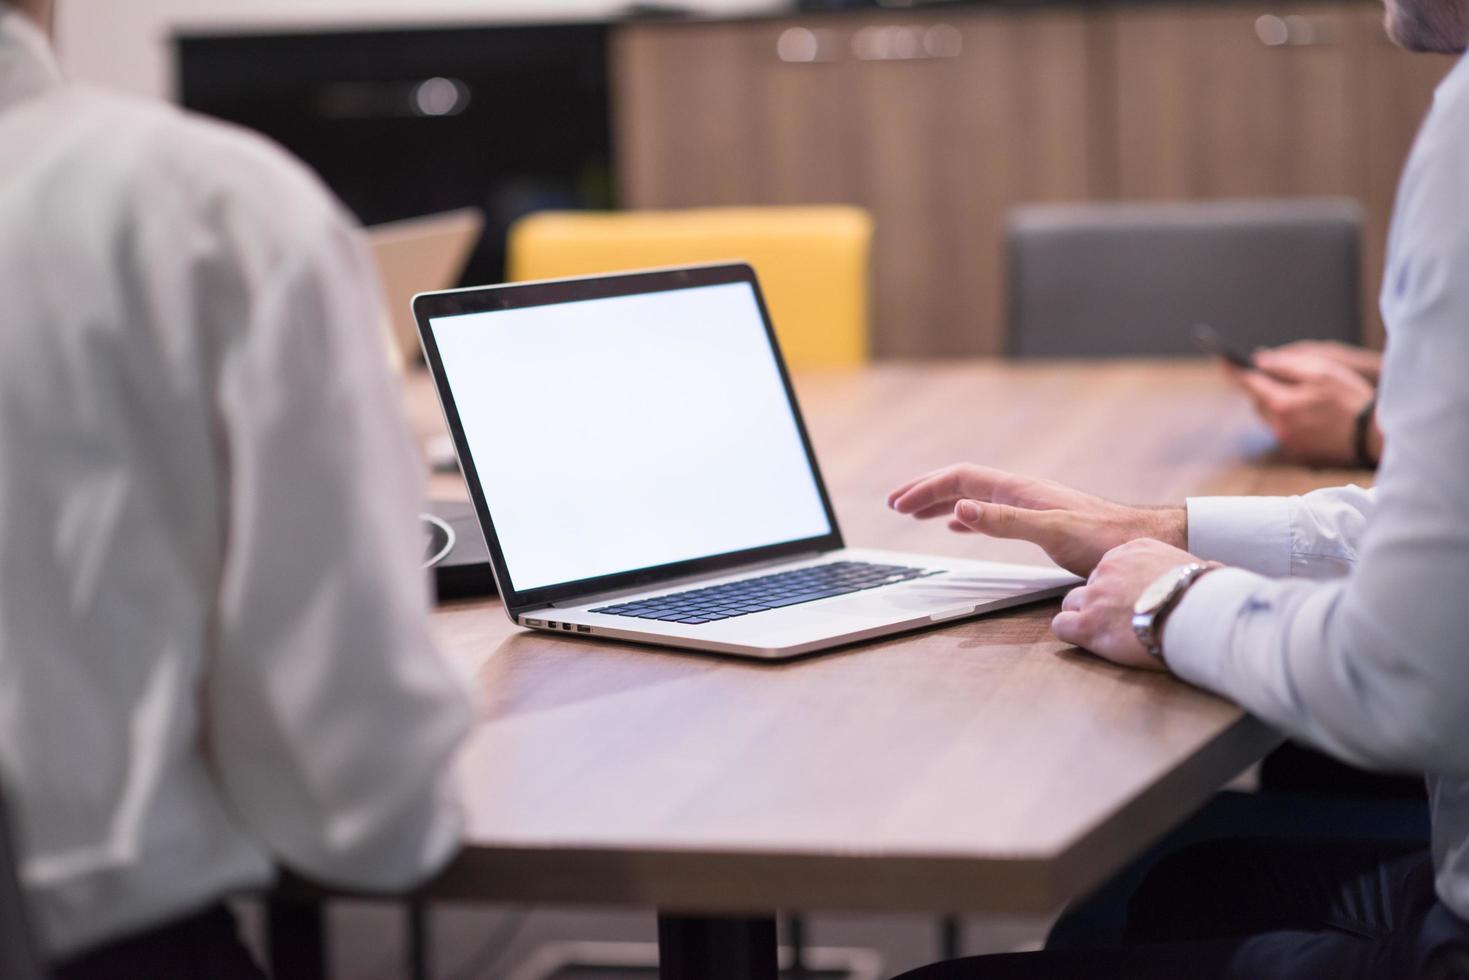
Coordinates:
[1206,109]
[1149,102]
[1029,96]
[685,119]
[936,147]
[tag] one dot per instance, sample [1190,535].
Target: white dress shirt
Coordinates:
[1344,622]
[213,630]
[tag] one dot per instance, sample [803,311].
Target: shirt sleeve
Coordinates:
[332,720]
[1312,536]
[1373,666]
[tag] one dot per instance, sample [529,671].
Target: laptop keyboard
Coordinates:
[756,595]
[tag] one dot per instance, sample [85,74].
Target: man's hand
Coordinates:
[1362,360]
[1098,615]
[1074,528]
[1310,403]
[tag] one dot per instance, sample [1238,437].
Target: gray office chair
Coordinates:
[20,956]
[1120,280]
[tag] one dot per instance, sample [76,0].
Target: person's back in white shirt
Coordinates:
[214,653]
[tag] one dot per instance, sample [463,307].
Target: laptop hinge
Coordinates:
[674,583]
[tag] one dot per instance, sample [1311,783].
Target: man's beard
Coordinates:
[1436,26]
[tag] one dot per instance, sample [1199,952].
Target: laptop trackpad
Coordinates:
[955,595]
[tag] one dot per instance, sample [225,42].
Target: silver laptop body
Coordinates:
[641,471]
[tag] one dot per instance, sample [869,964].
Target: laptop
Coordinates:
[641,471]
[416,255]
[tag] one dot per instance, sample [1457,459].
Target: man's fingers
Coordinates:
[936,488]
[943,508]
[1235,373]
[1269,394]
[946,486]
[1074,599]
[1289,366]
[1004,521]
[896,494]
[960,528]
[1067,627]
[1315,348]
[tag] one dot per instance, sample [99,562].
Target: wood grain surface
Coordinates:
[937,149]
[982,767]
[1083,102]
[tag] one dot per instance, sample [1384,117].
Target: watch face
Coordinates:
[1156,593]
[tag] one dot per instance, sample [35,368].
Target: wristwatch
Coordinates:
[1158,600]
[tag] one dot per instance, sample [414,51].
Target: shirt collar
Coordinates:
[1456,82]
[27,66]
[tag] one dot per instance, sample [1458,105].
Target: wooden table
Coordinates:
[980,768]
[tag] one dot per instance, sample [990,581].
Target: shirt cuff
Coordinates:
[1198,632]
[1246,532]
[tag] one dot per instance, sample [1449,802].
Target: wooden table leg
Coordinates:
[702,948]
[296,935]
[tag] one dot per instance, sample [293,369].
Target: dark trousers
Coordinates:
[1100,919]
[1263,909]
[205,945]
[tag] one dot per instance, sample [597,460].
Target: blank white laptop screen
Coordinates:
[612,435]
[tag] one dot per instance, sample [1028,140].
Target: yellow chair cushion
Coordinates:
[812,262]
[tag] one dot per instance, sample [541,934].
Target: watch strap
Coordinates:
[1149,625]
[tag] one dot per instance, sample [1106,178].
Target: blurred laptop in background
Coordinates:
[418,255]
